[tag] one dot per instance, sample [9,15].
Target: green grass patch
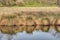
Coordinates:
[32,4]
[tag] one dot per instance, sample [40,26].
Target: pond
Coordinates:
[35,35]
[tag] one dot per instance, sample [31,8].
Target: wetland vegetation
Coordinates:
[13,23]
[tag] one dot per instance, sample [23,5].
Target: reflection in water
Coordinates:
[57,25]
[28,33]
[36,35]
[28,29]
[45,25]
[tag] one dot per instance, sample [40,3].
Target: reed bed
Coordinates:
[18,21]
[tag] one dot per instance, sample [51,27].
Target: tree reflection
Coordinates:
[45,24]
[57,25]
[30,29]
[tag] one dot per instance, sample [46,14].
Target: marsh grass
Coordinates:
[19,19]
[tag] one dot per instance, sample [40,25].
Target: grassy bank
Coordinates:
[28,3]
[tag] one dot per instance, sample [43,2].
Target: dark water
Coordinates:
[36,35]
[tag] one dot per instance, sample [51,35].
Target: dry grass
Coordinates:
[25,16]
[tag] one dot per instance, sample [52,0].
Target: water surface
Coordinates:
[35,35]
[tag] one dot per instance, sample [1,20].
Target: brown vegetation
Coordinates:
[20,2]
[13,22]
[57,25]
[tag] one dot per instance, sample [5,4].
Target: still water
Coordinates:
[36,35]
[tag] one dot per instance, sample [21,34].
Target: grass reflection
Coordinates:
[57,25]
[45,24]
[28,29]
